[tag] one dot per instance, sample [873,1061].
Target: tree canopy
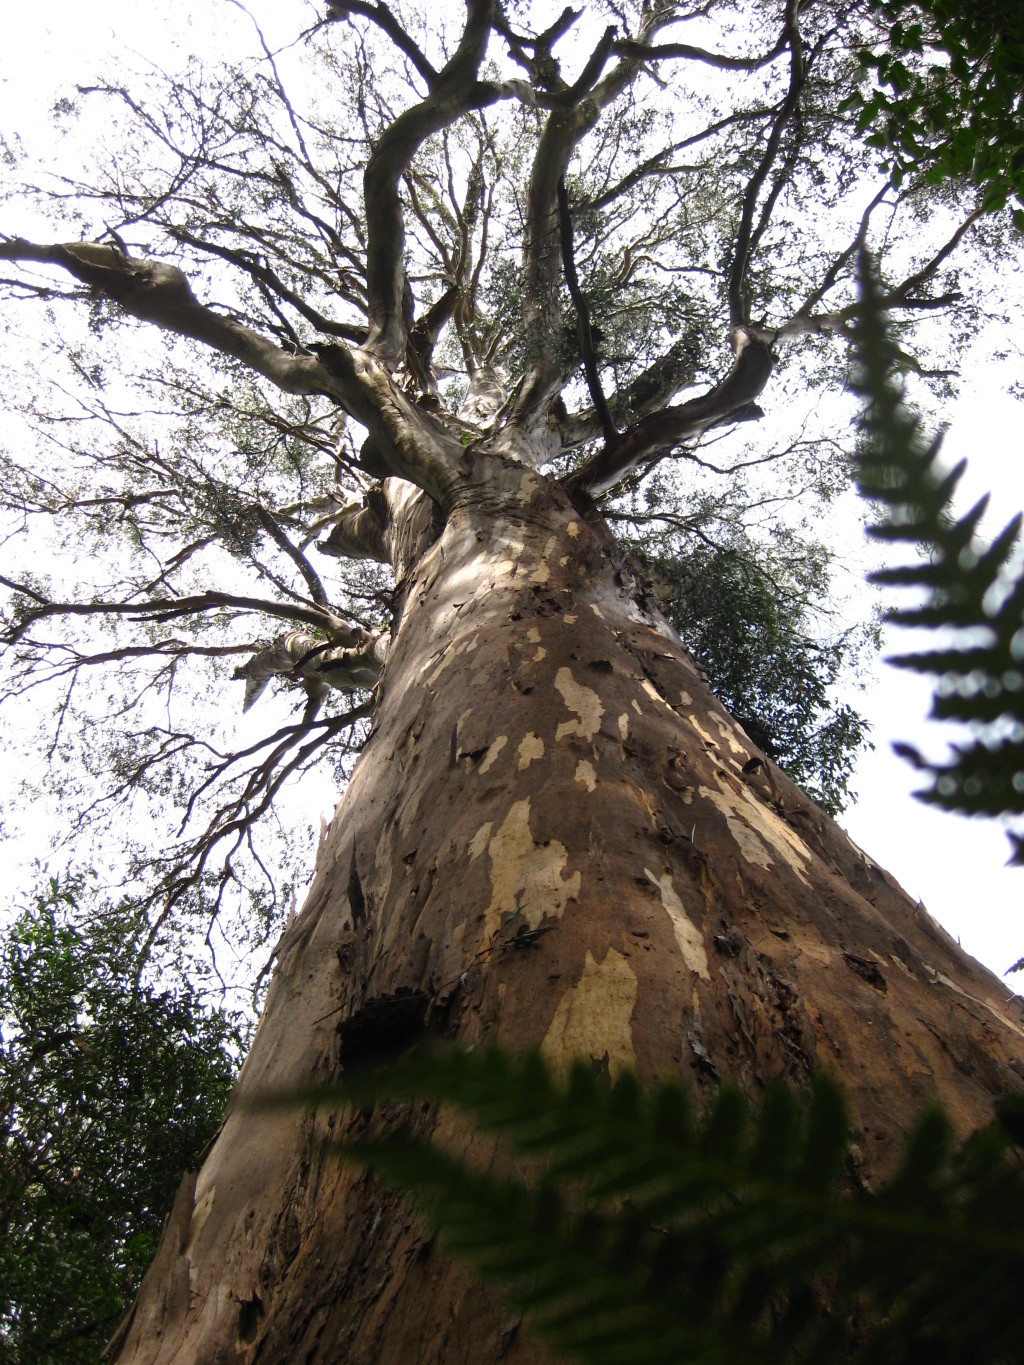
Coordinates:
[605,243]
[948,99]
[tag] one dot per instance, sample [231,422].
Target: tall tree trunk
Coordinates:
[545,756]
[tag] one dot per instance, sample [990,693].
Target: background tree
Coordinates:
[472,289]
[746,612]
[948,95]
[109,1090]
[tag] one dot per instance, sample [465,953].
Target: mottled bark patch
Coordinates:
[585,775]
[688,936]
[584,701]
[530,748]
[526,876]
[592,1018]
[747,819]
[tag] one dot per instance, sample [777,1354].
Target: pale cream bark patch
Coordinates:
[526,876]
[514,548]
[528,485]
[991,1005]
[688,936]
[479,841]
[543,572]
[727,733]
[530,747]
[569,619]
[744,816]
[448,657]
[199,1216]
[573,530]
[585,702]
[533,635]
[624,727]
[685,699]
[653,692]
[585,775]
[705,736]
[492,753]
[592,1018]
[749,844]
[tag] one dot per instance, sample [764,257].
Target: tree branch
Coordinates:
[261,274]
[314,663]
[650,391]
[844,258]
[628,48]
[309,574]
[584,82]
[380,15]
[415,448]
[155,292]
[654,165]
[425,331]
[804,322]
[738,307]
[732,400]
[162,609]
[586,336]
[454,92]
[541,239]
[901,293]
[358,531]
[239,816]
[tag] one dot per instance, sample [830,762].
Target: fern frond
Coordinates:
[630,1233]
[973,589]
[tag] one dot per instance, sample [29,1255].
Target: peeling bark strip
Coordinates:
[691,930]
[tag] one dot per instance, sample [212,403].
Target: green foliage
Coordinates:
[949,98]
[973,593]
[627,1231]
[108,1092]
[744,613]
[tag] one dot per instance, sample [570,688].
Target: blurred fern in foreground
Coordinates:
[627,1230]
[974,590]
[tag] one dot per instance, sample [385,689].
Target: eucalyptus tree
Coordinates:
[450,305]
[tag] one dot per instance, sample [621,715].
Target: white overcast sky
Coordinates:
[954,865]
